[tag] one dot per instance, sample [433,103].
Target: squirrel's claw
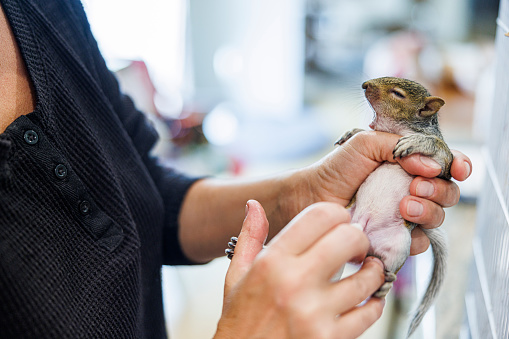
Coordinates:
[347,136]
[406,146]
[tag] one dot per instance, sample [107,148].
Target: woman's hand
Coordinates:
[285,291]
[337,177]
[213,208]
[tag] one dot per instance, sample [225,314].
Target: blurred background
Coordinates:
[252,87]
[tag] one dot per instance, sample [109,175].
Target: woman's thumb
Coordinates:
[253,234]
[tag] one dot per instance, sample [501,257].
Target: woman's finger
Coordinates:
[446,193]
[353,323]
[421,211]
[351,291]
[308,227]
[250,242]
[461,167]
[418,164]
[340,245]
[420,242]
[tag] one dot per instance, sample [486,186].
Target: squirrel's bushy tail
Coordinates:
[438,243]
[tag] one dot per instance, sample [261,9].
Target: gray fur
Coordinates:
[438,242]
[428,145]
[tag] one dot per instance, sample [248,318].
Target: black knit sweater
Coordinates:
[87,217]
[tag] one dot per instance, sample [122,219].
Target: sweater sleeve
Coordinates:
[171,185]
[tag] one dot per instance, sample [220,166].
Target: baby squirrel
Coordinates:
[405,108]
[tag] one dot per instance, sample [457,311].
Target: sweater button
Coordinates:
[84,207]
[61,171]
[31,137]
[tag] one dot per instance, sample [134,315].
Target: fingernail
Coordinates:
[358,226]
[414,208]
[247,209]
[467,168]
[376,260]
[428,162]
[425,189]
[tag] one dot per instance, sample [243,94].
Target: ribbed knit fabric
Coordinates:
[87,217]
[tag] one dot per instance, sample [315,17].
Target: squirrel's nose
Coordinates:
[365,84]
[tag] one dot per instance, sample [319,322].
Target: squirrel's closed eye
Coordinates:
[398,93]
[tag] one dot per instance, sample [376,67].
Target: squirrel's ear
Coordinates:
[431,106]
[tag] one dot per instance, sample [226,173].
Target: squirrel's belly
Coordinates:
[376,208]
[382,191]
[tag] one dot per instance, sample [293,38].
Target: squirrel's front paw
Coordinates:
[347,136]
[406,146]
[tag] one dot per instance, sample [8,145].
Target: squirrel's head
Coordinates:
[400,101]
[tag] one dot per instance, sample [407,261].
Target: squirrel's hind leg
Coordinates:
[392,246]
[390,278]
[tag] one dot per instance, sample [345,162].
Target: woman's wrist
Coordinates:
[296,193]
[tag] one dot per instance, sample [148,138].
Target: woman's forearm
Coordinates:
[214,209]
